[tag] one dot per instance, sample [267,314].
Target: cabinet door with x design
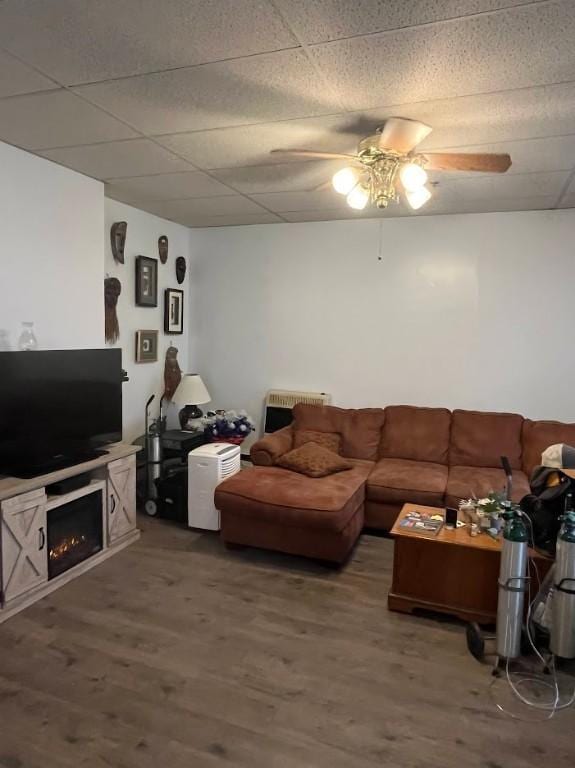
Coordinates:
[24,557]
[121,498]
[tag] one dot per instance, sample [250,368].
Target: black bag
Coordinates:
[545,505]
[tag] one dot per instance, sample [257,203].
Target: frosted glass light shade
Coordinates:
[418,197]
[412,176]
[191,391]
[345,180]
[358,198]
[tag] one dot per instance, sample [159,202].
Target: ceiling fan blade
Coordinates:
[402,135]
[461,161]
[312,153]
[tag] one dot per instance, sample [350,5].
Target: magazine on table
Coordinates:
[417,522]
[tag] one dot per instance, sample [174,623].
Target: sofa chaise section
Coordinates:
[278,509]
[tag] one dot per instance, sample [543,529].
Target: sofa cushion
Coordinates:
[539,435]
[480,439]
[360,429]
[286,498]
[313,460]
[396,481]
[466,482]
[421,434]
[329,440]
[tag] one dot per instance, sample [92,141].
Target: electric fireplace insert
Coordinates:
[75,532]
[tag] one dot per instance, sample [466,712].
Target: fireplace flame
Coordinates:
[66,545]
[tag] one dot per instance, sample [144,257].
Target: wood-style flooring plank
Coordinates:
[180,653]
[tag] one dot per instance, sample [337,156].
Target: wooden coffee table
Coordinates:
[450,572]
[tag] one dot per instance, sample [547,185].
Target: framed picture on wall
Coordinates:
[146,281]
[173,310]
[146,346]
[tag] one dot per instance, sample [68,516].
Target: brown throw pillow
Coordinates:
[312,460]
[329,440]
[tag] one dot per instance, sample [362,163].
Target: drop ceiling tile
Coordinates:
[284,177]
[251,145]
[501,187]
[438,205]
[257,89]
[80,41]
[193,209]
[571,188]
[116,159]
[168,186]
[331,19]
[278,202]
[526,46]
[231,221]
[56,118]
[16,78]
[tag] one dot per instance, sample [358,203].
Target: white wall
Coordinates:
[55,252]
[142,239]
[52,252]
[467,311]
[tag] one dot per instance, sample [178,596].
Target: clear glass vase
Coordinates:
[27,340]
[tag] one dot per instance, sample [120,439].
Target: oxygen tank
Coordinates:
[562,641]
[512,585]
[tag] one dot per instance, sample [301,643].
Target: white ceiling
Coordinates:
[176,104]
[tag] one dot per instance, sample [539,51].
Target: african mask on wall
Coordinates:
[163,248]
[180,269]
[112,290]
[118,240]
[172,373]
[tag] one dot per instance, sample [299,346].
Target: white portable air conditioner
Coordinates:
[279,403]
[208,466]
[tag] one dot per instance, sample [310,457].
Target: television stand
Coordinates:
[29,514]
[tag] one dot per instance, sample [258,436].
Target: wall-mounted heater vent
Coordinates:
[279,404]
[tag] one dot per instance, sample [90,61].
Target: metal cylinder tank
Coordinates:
[512,585]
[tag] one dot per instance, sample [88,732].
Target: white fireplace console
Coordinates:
[27,570]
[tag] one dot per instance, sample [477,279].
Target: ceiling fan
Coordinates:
[386,164]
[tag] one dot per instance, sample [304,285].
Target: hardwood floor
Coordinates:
[179,653]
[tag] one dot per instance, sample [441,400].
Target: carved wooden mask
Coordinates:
[163,248]
[180,269]
[118,240]
[172,373]
[112,289]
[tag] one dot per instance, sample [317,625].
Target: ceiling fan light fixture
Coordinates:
[412,176]
[345,180]
[358,198]
[417,197]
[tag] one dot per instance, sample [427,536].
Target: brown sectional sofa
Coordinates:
[400,454]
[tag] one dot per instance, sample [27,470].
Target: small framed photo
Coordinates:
[173,310]
[146,281]
[146,346]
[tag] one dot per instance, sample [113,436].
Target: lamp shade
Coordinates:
[191,391]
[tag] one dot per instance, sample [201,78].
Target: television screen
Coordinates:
[57,407]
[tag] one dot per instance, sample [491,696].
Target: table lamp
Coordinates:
[191,391]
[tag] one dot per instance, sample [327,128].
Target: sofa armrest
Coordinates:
[266,451]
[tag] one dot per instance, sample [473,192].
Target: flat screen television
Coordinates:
[57,408]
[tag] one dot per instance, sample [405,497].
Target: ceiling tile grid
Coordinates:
[177,105]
